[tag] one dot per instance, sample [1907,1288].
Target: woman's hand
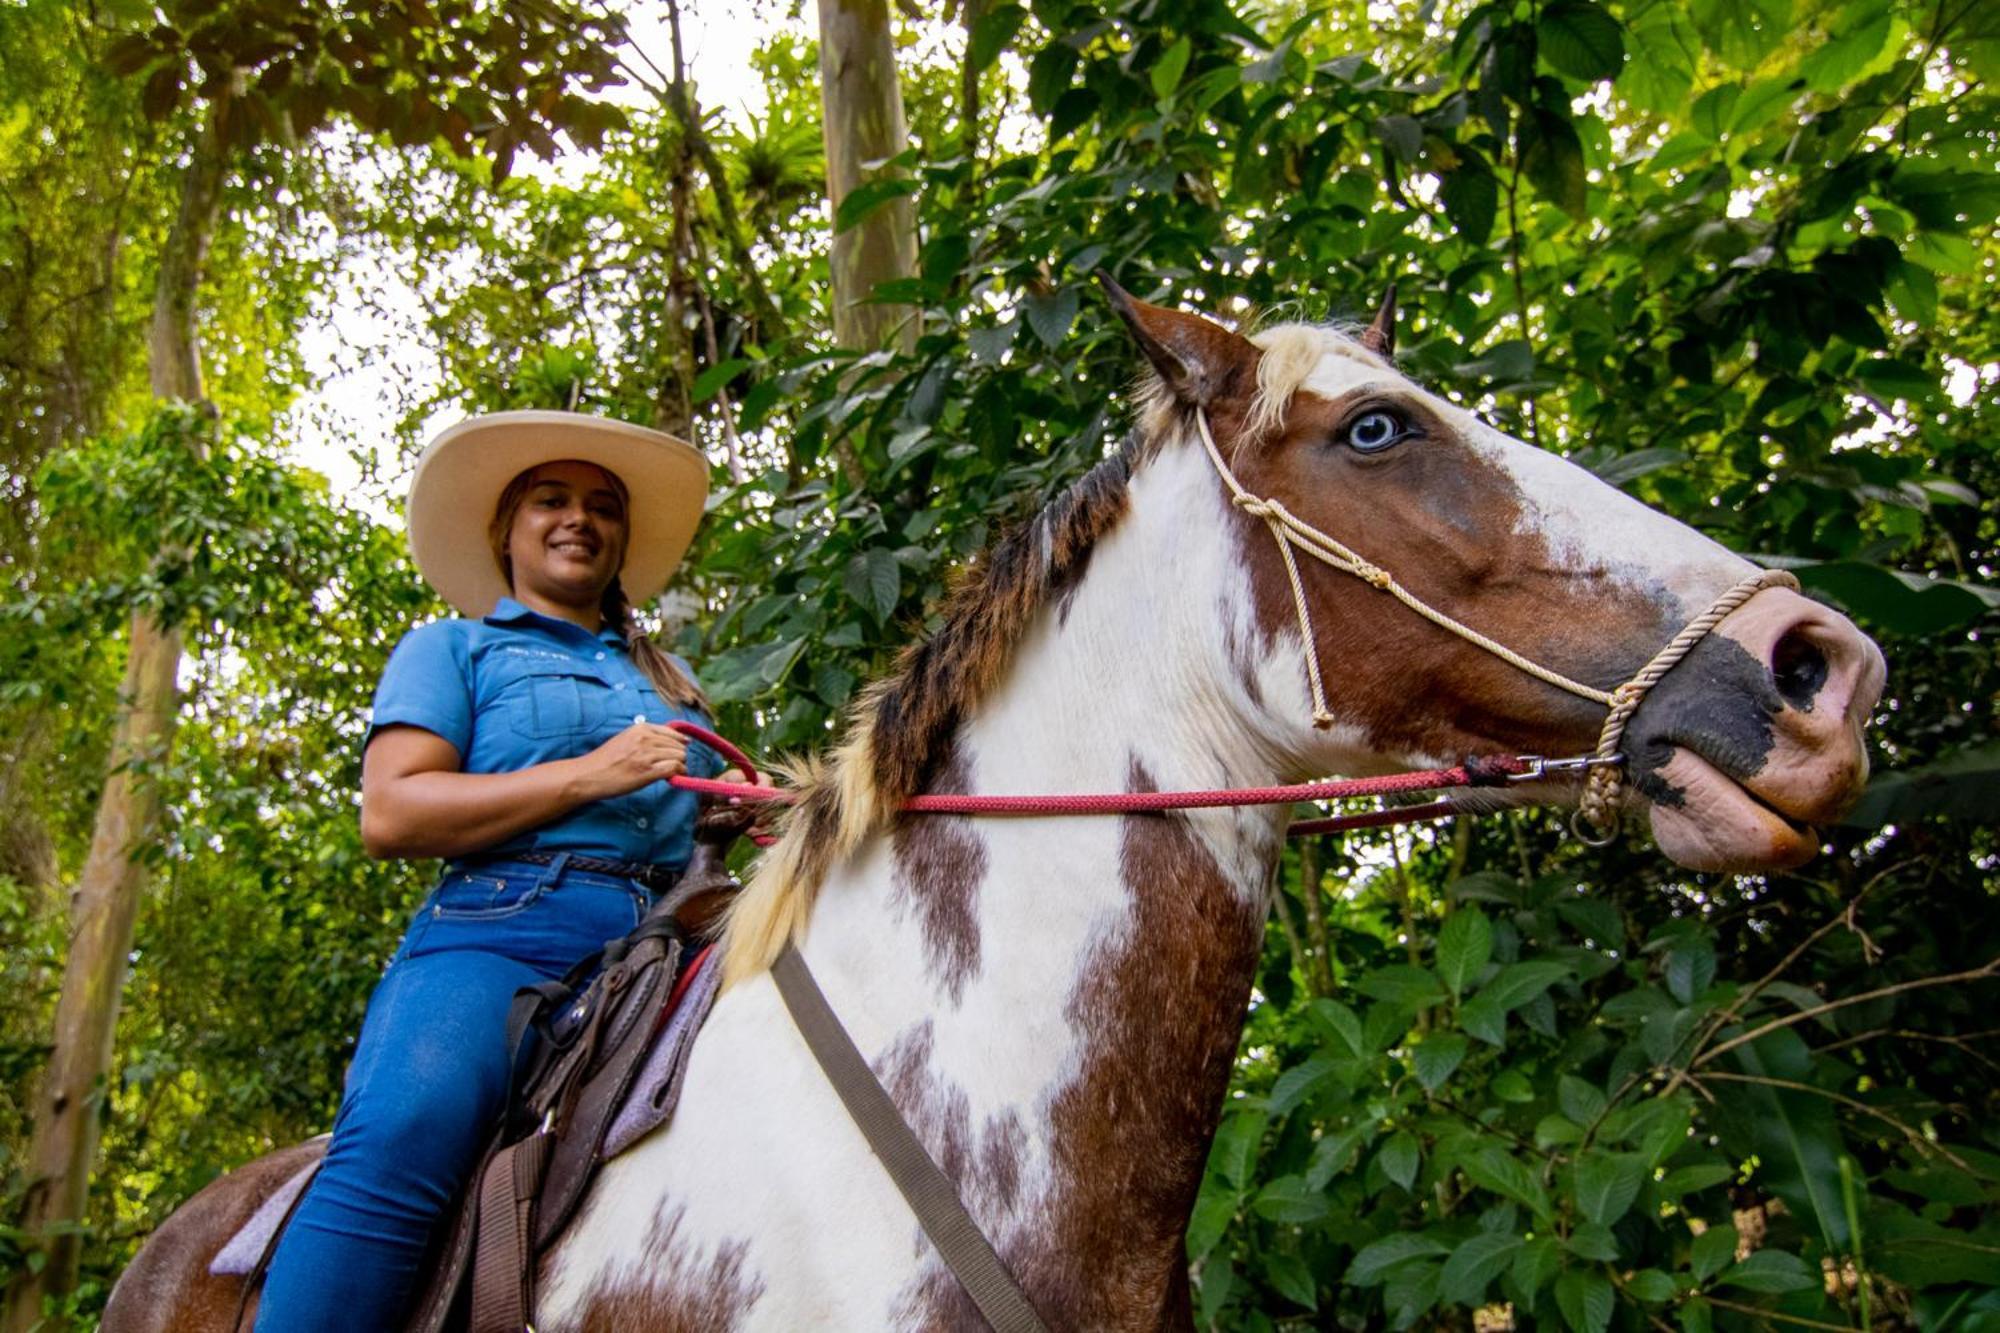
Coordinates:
[644,752]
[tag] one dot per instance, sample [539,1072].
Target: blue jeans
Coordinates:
[427,1084]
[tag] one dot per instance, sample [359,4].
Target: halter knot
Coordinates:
[1374,574]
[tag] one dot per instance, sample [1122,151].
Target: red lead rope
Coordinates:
[1477,773]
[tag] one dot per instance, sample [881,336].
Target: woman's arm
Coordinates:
[416,802]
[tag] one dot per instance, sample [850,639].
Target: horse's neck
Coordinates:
[1055,1002]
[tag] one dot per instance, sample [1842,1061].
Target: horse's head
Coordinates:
[1752,738]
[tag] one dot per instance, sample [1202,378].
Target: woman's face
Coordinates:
[567,541]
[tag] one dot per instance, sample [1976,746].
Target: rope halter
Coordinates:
[1596,818]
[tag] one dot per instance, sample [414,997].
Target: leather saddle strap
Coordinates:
[503,1273]
[929,1193]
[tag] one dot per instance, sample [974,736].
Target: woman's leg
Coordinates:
[427,1081]
[426,1085]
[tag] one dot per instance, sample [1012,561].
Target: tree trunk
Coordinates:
[862,114]
[105,907]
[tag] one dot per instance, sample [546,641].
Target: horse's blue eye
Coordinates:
[1375,431]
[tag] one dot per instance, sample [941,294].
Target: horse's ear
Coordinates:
[1380,336]
[1198,359]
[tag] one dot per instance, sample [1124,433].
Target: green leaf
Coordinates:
[1713,1250]
[1593,1240]
[1493,1168]
[989,343]
[1166,75]
[1607,1184]
[1742,32]
[1652,1286]
[1795,1133]
[1535,1263]
[1290,1199]
[1901,603]
[1762,102]
[1481,1017]
[1690,970]
[1049,75]
[1772,1271]
[1402,984]
[1236,1145]
[1300,1082]
[875,579]
[1965,785]
[1553,1131]
[712,381]
[1580,39]
[1471,199]
[1714,111]
[1658,75]
[1214,1210]
[864,199]
[1340,1022]
[1694,1179]
[1511,1085]
[1399,1158]
[991,34]
[1377,1258]
[1517,983]
[1403,136]
[1580,1101]
[1291,1278]
[1596,920]
[1586,1301]
[1464,947]
[1696,1316]
[1050,314]
[1864,35]
[1507,362]
[1437,1057]
[1475,1263]
[1552,157]
[1618,469]
[1334,1154]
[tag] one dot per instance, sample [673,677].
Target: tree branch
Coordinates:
[1975,974]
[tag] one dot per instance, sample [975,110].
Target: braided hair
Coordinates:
[665,675]
[672,683]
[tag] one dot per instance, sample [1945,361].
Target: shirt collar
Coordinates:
[508,612]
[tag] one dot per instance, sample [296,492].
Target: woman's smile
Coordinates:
[567,541]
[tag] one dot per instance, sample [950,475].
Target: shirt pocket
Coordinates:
[550,700]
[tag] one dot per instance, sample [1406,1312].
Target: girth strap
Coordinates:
[924,1187]
[503,1262]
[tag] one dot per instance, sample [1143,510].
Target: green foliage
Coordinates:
[1734,257]
[1646,1135]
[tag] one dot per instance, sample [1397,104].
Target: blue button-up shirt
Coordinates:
[518,688]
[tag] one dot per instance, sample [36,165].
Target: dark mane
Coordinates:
[898,731]
[937,682]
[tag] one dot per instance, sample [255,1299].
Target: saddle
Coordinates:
[598,1062]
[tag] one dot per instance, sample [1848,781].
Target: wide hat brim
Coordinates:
[459,479]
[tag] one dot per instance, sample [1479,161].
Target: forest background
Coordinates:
[1736,256]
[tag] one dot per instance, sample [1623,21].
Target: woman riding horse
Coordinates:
[526,744]
[1054,1004]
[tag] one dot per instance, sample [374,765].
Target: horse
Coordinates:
[1054,1004]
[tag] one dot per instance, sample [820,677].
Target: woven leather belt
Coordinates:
[656,879]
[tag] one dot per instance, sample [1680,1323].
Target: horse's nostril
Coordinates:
[1798,669]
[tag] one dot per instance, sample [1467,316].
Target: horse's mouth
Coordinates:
[1714,822]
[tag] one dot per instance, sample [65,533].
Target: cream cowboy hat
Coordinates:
[461,474]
